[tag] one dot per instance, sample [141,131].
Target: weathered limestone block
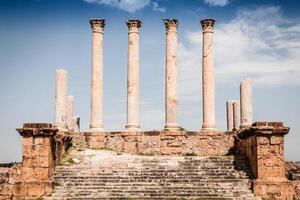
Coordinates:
[130,141]
[114,141]
[95,140]
[149,143]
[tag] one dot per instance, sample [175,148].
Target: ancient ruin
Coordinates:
[61,162]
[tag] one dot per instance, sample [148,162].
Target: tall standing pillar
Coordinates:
[97,26]
[208,80]
[69,112]
[236,115]
[61,89]
[133,75]
[229,112]
[171,75]
[246,103]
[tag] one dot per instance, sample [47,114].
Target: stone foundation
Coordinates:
[162,142]
[262,144]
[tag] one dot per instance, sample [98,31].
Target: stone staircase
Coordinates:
[99,174]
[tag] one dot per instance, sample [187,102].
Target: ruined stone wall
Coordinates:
[263,145]
[202,143]
[42,148]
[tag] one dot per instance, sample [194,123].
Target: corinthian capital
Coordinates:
[134,25]
[97,25]
[208,25]
[171,25]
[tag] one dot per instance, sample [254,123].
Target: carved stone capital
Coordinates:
[208,25]
[171,25]
[134,25]
[97,25]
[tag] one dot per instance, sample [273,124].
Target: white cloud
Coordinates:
[128,5]
[260,44]
[157,8]
[217,2]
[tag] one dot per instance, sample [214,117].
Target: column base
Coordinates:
[132,127]
[209,127]
[171,127]
[243,126]
[94,128]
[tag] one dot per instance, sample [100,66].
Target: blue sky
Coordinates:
[259,39]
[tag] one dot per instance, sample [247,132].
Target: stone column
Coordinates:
[69,115]
[61,89]
[246,103]
[208,81]
[171,75]
[236,115]
[133,75]
[76,124]
[97,26]
[229,112]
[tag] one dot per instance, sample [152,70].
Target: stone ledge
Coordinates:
[37,129]
[264,128]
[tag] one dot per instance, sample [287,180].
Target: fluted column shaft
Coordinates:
[229,112]
[236,115]
[61,90]
[208,80]
[97,26]
[133,75]
[171,75]
[69,112]
[246,103]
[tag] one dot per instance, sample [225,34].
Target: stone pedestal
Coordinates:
[246,103]
[97,26]
[236,115]
[95,140]
[130,141]
[229,113]
[38,162]
[263,145]
[208,79]
[171,75]
[61,90]
[133,76]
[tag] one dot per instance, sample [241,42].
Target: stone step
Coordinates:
[112,176]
